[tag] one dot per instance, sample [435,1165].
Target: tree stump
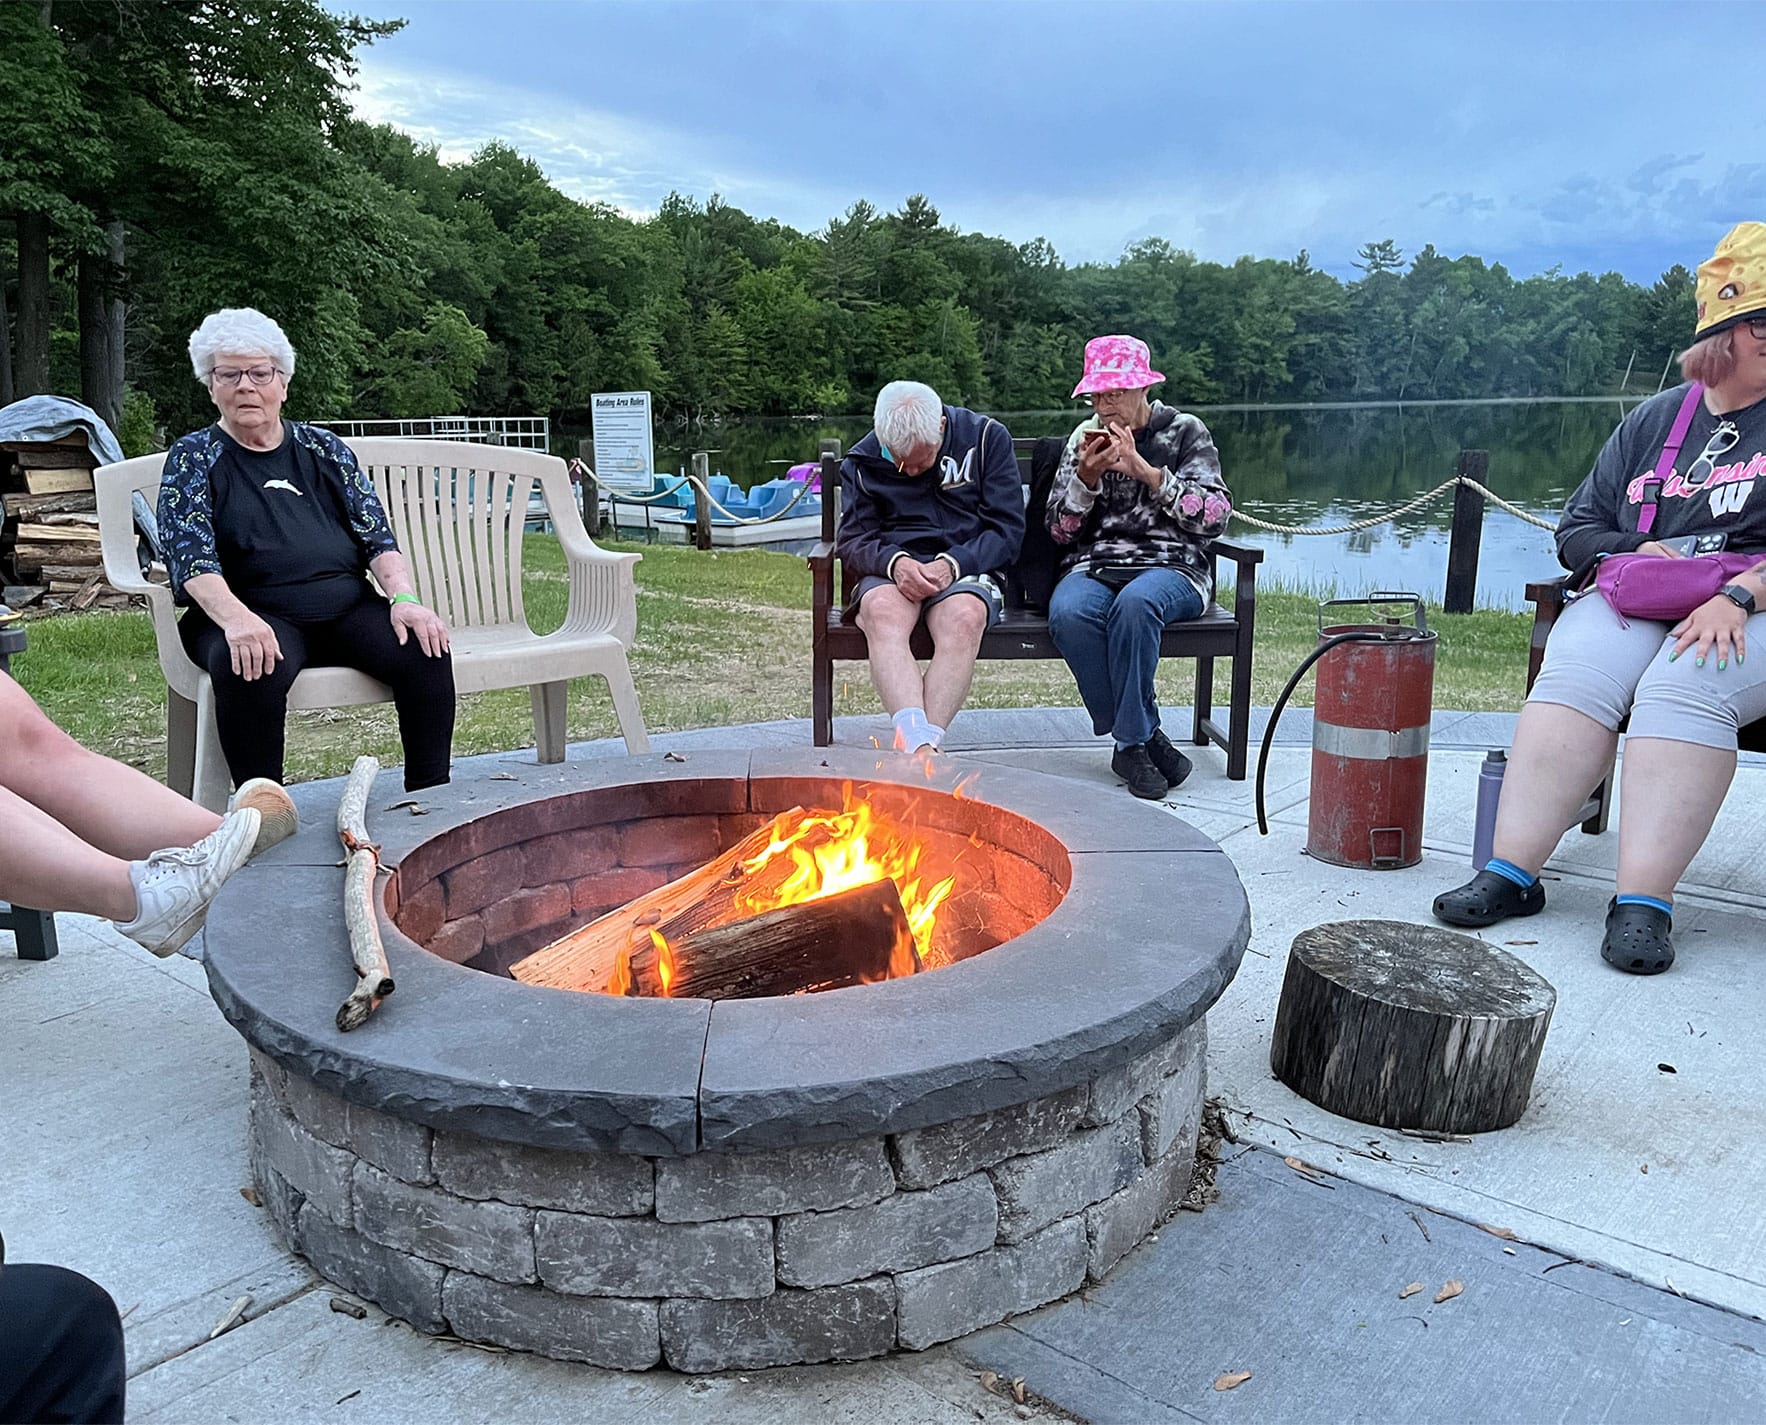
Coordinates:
[1410,1026]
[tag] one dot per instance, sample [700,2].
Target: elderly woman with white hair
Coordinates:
[934,509]
[270,529]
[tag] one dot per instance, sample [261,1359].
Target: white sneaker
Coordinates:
[173,887]
[279,818]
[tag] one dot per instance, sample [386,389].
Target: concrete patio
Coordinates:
[1632,1289]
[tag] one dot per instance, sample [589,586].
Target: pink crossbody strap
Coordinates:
[1652,487]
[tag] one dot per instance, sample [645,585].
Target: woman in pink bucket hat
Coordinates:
[1136,500]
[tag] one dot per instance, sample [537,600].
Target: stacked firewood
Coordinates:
[49,535]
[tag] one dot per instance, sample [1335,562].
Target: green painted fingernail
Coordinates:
[1722,663]
[1675,654]
[1701,663]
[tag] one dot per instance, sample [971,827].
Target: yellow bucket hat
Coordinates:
[1732,281]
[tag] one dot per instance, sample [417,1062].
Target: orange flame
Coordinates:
[665,960]
[825,853]
[620,981]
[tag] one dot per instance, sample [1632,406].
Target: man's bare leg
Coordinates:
[888,617]
[956,625]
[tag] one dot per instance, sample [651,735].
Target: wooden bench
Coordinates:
[1024,633]
[1548,602]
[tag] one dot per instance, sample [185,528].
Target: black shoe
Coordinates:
[1637,938]
[1173,765]
[1486,899]
[1135,766]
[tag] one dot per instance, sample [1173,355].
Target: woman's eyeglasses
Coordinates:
[257,375]
[1722,441]
[1756,328]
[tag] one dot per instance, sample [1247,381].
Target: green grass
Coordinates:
[723,638]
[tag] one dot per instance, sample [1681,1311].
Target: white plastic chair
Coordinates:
[459,512]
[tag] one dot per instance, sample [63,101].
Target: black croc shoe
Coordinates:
[1173,765]
[1637,938]
[1486,899]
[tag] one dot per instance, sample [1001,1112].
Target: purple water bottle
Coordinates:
[1489,793]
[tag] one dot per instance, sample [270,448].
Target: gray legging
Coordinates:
[1608,667]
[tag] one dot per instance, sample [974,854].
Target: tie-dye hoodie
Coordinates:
[1123,522]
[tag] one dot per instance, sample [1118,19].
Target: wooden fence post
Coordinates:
[590,492]
[701,500]
[1466,534]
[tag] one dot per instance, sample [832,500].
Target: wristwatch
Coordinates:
[1738,596]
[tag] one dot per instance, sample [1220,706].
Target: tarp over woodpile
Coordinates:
[51,418]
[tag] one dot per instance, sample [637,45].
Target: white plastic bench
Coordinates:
[459,511]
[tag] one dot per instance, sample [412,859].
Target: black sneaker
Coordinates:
[1135,766]
[1173,765]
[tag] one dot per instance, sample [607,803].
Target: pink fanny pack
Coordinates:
[1654,586]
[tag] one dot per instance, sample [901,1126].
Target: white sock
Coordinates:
[913,731]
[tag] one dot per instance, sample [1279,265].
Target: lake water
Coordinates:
[1312,466]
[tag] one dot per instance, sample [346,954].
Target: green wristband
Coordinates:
[406,599]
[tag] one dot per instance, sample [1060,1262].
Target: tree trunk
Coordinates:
[32,361]
[1409,1026]
[101,328]
[6,387]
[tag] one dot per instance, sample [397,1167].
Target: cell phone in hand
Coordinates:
[1095,437]
[1687,545]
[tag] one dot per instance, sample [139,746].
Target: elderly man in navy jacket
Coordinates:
[934,510]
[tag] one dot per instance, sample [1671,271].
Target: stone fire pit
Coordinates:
[740,1184]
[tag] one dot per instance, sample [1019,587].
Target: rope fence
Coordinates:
[700,491]
[1399,511]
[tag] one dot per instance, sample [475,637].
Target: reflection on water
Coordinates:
[1308,466]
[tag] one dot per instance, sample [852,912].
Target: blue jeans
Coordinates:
[1110,639]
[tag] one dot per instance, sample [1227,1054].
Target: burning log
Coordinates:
[798,861]
[584,959]
[850,938]
[366,949]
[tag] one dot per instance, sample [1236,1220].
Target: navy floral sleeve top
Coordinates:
[187,513]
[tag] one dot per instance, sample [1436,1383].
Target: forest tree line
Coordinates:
[166,160]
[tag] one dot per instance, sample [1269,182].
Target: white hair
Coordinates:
[909,416]
[238,331]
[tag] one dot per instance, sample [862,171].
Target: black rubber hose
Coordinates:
[1275,713]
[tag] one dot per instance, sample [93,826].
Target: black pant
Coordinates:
[61,1347]
[251,716]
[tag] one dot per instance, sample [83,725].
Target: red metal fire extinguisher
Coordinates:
[1370,734]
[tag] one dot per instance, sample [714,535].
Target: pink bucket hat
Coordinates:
[1116,363]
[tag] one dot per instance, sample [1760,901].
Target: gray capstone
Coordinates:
[905,1231]
[929,1156]
[491,1239]
[401,1285]
[1044,1187]
[1115,1092]
[319,1172]
[954,1298]
[707,1187]
[638,1256]
[608,1184]
[1172,1113]
[1117,1225]
[788,1328]
[601,1331]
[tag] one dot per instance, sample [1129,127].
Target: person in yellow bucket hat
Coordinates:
[1685,472]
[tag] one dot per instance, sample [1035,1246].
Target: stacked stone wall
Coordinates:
[717,1261]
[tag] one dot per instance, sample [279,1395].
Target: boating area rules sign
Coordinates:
[624,454]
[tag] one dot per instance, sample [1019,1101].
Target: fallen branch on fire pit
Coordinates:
[375,976]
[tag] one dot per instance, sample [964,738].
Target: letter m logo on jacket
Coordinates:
[952,474]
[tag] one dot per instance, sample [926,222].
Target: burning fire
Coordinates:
[812,855]
[830,852]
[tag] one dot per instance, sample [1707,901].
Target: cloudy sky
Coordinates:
[1589,135]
